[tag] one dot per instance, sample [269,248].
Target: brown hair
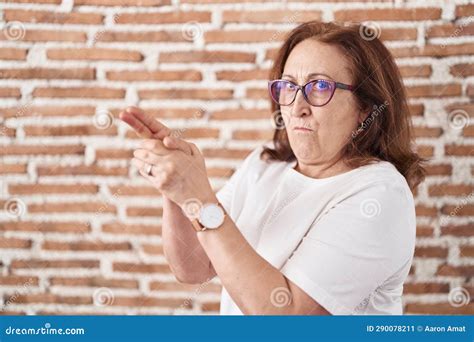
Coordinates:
[386,132]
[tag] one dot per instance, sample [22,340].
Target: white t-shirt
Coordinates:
[346,240]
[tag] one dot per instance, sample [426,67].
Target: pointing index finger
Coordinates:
[156,128]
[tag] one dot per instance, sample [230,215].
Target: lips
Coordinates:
[306,129]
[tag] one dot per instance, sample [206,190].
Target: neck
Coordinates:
[322,170]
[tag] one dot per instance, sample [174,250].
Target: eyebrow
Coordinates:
[309,76]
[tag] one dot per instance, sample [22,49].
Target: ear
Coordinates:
[363,115]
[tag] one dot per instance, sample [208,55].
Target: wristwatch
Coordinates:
[211,216]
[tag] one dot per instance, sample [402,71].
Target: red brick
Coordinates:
[10,92]
[52,17]
[73,207]
[94,282]
[48,36]
[422,210]
[161,76]
[80,92]
[270,16]
[225,153]
[427,132]
[17,280]
[252,134]
[152,302]
[45,227]
[83,130]
[57,2]
[241,114]
[468,131]
[393,14]
[122,2]
[458,210]
[257,93]
[431,252]
[25,189]
[242,36]
[466,251]
[464,11]
[456,271]
[35,150]
[13,53]
[127,190]
[12,168]
[47,298]
[14,243]
[56,263]
[242,75]
[207,57]
[459,150]
[171,113]
[450,190]
[415,70]
[424,231]
[130,267]
[425,288]
[173,286]
[434,90]
[99,246]
[210,306]
[433,50]
[26,111]
[449,30]
[147,36]
[48,73]
[204,94]
[152,249]
[133,229]
[163,17]
[94,54]
[113,153]
[458,230]
[82,170]
[144,211]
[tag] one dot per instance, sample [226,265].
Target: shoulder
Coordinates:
[382,178]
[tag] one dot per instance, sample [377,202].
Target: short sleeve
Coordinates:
[226,193]
[353,248]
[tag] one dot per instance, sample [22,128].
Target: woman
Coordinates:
[322,221]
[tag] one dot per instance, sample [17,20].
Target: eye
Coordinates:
[322,85]
[289,86]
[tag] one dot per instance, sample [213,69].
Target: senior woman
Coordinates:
[322,219]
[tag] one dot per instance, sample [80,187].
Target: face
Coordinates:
[330,125]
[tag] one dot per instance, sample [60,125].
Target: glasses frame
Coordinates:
[335,85]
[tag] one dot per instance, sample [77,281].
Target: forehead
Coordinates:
[311,56]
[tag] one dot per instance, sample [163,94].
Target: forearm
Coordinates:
[249,279]
[185,255]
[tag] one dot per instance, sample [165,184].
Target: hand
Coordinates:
[179,170]
[178,176]
[148,128]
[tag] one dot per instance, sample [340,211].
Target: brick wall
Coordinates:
[80,229]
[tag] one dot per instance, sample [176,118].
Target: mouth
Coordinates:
[302,129]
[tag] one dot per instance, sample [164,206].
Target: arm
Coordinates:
[250,280]
[186,257]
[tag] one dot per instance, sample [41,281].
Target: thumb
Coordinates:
[177,144]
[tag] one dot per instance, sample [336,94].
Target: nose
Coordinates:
[300,107]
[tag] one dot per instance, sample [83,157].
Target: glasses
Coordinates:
[316,92]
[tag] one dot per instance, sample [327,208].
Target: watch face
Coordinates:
[212,216]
